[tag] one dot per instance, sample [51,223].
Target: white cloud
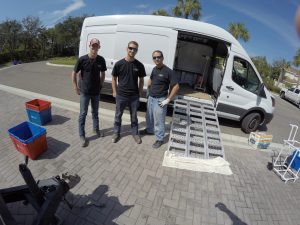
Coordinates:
[51,18]
[142,6]
[277,24]
[207,18]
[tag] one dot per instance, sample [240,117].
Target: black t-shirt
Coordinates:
[89,81]
[161,80]
[128,73]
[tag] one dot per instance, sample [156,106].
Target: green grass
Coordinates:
[6,64]
[64,60]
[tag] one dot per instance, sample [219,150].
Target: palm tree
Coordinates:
[296,61]
[160,12]
[239,31]
[187,9]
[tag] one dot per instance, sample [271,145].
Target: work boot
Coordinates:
[115,138]
[145,132]
[99,133]
[83,141]
[137,139]
[157,144]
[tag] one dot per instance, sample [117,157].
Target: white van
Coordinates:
[202,55]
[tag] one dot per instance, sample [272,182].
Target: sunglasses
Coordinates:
[156,57]
[133,49]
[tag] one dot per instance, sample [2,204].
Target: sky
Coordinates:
[271,23]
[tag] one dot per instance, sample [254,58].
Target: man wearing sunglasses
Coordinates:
[161,80]
[91,71]
[127,85]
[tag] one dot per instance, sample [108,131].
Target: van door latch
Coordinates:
[230,88]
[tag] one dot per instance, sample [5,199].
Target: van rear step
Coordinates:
[195,130]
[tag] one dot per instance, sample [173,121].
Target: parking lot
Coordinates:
[130,180]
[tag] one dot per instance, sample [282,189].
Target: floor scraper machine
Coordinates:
[44,196]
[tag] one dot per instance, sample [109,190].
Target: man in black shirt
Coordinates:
[162,78]
[127,85]
[91,71]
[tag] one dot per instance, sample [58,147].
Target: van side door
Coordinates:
[239,91]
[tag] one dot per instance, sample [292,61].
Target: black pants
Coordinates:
[121,103]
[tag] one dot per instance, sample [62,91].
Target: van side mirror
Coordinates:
[261,91]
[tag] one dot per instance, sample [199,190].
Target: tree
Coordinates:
[69,35]
[262,65]
[277,68]
[189,9]
[160,12]
[11,32]
[239,31]
[296,61]
[32,28]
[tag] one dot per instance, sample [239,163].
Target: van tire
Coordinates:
[282,95]
[251,122]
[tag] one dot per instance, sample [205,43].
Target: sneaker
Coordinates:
[99,133]
[115,138]
[157,144]
[83,141]
[145,132]
[137,139]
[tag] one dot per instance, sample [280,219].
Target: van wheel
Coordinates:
[251,122]
[282,95]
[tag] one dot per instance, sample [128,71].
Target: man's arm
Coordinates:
[173,91]
[141,85]
[74,82]
[102,78]
[114,85]
[149,83]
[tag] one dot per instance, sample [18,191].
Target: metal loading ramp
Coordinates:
[195,130]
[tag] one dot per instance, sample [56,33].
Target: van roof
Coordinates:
[170,22]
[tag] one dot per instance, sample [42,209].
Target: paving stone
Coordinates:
[139,190]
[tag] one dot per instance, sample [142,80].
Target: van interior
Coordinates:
[199,65]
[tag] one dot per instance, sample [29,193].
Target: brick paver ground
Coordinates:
[134,186]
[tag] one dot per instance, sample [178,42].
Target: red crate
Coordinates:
[32,149]
[38,105]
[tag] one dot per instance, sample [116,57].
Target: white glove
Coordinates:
[164,102]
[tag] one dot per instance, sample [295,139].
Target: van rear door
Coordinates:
[107,37]
[149,39]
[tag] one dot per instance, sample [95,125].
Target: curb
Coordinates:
[227,139]
[59,65]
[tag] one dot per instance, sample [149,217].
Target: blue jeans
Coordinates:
[155,117]
[121,103]
[84,104]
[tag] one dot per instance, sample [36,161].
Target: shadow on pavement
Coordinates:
[98,207]
[58,119]
[55,148]
[229,123]
[235,219]
[125,131]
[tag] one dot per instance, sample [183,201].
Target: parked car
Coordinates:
[291,94]
[192,49]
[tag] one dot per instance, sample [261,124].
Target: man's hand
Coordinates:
[114,94]
[164,102]
[77,90]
